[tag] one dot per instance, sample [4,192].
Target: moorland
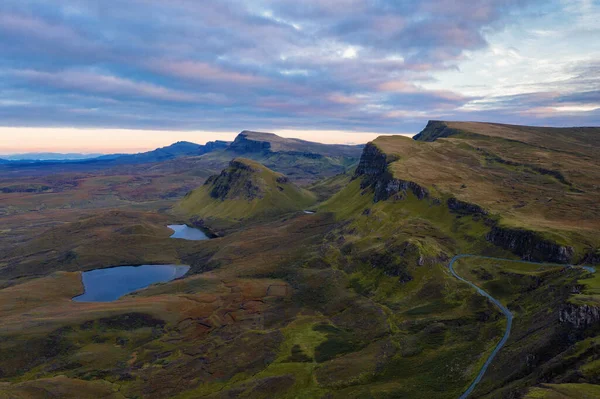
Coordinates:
[326,275]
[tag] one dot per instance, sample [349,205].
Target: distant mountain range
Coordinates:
[301,160]
[181,148]
[47,156]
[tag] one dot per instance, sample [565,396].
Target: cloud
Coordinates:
[203,71]
[79,81]
[25,26]
[379,65]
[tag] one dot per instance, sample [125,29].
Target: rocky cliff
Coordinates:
[530,245]
[375,173]
[435,130]
[579,316]
[373,169]
[465,208]
[244,144]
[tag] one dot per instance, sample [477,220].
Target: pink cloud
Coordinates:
[202,71]
[397,86]
[105,84]
[36,27]
[343,99]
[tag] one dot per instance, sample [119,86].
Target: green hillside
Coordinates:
[356,300]
[528,183]
[244,190]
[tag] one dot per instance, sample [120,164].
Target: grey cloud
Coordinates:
[351,64]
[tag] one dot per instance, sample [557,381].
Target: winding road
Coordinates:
[503,309]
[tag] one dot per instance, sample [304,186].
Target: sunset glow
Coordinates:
[19,140]
[330,70]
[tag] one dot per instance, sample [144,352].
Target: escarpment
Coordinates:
[579,316]
[244,144]
[373,169]
[435,130]
[375,172]
[465,208]
[530,245]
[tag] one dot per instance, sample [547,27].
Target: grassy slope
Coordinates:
[328,187]
[54,336]
[435,320]
[300,169]
[486,165]
[564,391]
[361,308]
[106,239]
[274,195]
[437,234]
[534,294]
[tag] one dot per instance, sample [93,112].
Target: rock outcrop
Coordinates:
[373,169]
[530,245]
[244,144]
[465,208]
[579,316]
[235,176]
[244,190]
[435,130]
[592,257]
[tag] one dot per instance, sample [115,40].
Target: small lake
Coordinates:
[107,285]
[185,232]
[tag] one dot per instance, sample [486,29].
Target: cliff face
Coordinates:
[243,144]
[215,145]
[465,208]
[529,245]
[579,316]
[593,257]
[435,130]
[373,170]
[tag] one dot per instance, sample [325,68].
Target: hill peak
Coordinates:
[578,138]
[243,190]
[248,164]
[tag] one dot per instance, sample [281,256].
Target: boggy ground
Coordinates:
[266,311]
[276,309]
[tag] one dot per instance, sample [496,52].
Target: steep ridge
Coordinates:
[250,142]
[539,203]
[243,190]
[400,225]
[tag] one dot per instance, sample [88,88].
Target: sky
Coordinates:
[131,75]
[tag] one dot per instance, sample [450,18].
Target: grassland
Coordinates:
[244,190]
[354,301]
[535,294]
[530,178]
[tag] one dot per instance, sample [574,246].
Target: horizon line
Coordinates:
[27,140]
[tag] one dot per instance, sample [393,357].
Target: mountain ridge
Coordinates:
[251,141]
[527,179]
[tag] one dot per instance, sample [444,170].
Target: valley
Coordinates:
[311,270]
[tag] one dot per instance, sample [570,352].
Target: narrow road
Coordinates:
[503,309]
